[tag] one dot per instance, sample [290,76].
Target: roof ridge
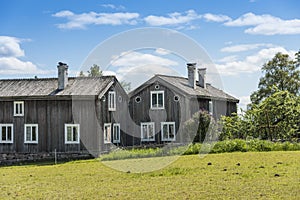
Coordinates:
[54,78]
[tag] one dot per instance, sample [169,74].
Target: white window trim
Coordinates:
[105,140]
[22,106]
[162,131]
[12,134]
[210,107]
[37,133]
[148,124]
[119,135]
[66,133]
[163,99]
[113,107]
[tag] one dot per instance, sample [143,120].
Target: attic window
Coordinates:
[176,98]
[112,101]
[18,108]
[156,87]
[157,100]
[138,99]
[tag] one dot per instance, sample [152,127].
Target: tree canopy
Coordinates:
[281,72]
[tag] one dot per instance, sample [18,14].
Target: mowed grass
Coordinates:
[251,175]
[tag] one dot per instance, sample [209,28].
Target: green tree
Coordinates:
[95,71]
[279,116]
[281,72]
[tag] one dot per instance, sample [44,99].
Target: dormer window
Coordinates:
[18,108]
[112,101]
[157,100]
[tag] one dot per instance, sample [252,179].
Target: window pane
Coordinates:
[28,133]
[171,131]
[69,133]
[165,131]
[151,132]
[21,109]
[160,100]
[144,132]
[3,133]
[17,109]
[9,134]
[154,100]
[33,134]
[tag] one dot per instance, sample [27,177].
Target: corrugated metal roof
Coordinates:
[81,86]
[182,84]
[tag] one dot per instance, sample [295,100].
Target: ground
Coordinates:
[251,175]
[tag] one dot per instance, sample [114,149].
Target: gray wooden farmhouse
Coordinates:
[90,115]
[162,105]
[61,114]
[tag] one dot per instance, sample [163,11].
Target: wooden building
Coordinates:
[162,105]
[82,115]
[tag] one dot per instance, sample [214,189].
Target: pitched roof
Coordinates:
[182,85]
[81,86]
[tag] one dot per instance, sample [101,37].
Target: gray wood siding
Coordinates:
[142,112]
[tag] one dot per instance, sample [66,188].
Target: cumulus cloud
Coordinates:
[244,47]
[251,63]
[10,47]
[266,24]
[172,19]
[11,54]
[138,67]
[80,21]
[132,59]
[216,18]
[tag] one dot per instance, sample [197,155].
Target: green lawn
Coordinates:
[264,175]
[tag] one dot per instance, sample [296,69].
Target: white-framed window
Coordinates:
[168,131]
[116,133]
[147,131]
[107,133]
[31,133]
[210,108]
[7,133]
[157,100]
[18,108]
[111,100]
[72,134]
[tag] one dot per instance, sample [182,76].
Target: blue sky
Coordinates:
[238,36]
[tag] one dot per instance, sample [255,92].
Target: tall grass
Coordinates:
[225,146]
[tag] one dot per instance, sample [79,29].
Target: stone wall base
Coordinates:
[23,158]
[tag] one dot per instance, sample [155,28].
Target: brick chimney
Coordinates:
[62,69]
[191,67]
[201,77]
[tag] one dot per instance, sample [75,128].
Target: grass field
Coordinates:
[251,175]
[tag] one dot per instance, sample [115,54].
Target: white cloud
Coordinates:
[244,47]
[114,7]
[9,46]
[80,21]
[216,18]
[136,67]
[173,19]
[161,51]
[10,58]
[244,101]
[251,63]
[266,24]
[133,59]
